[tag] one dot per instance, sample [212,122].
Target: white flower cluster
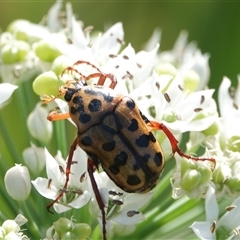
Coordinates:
[170,87]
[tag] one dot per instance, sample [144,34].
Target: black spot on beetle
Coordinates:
[87,141]
[109,146]
[151,136]
[133,125]
[73,110]
[146,158]
[158,159]
[121,159]
[114,169]
[130,104]
[69,94]
[143,140]
[133,180]
[107,97]
[79,101]
[84,117]
[93,157]
[94,105]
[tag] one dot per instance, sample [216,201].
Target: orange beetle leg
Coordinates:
[54,116]
[174,143]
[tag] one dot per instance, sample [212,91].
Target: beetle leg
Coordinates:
[174,143]
[102,79]
[102,76]
[91,168]
[54,116]
[68,171]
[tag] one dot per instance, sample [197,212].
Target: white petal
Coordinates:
[41,185]
[135,201]
[109,40]
[122,218]
[79,167]
[81,200]
[59,208]
[231,218]
[52,169]
[202,230]
[223,97]
[6,90]
[211,205]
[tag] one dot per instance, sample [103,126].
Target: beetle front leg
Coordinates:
[55,116]
[68,171]
[174,143]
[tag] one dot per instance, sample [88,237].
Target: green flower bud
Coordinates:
[38,125]
[19,29]
[205,172]
[212,130]
[233,183]
[59,64]
[46,51]
[14,51]
[47,83]
[69,236]
[190,180]
[234,144]
[166,68]
[82,230]
[191,80]
[186,165]
[34,158]
[170,117]
[66,229]
[27,31]
[62,225]
[218,175]
[17,182]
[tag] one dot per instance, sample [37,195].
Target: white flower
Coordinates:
[226,227]
[122,208]
[51,186]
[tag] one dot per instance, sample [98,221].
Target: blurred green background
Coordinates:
[214,25]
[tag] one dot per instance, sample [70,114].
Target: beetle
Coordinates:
[114,133]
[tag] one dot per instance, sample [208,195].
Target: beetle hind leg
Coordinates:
[91,169]
[174,143]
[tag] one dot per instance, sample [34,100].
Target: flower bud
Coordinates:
[14,51]
[27,31]
[47,83]
[190,180]
[46,51]
[219,174]
[66,229]
[212,130]
[38,125]
[17,182]
[34,158]
[234,144]
[233,183]
[59,64]
[166,68]
[191,80]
